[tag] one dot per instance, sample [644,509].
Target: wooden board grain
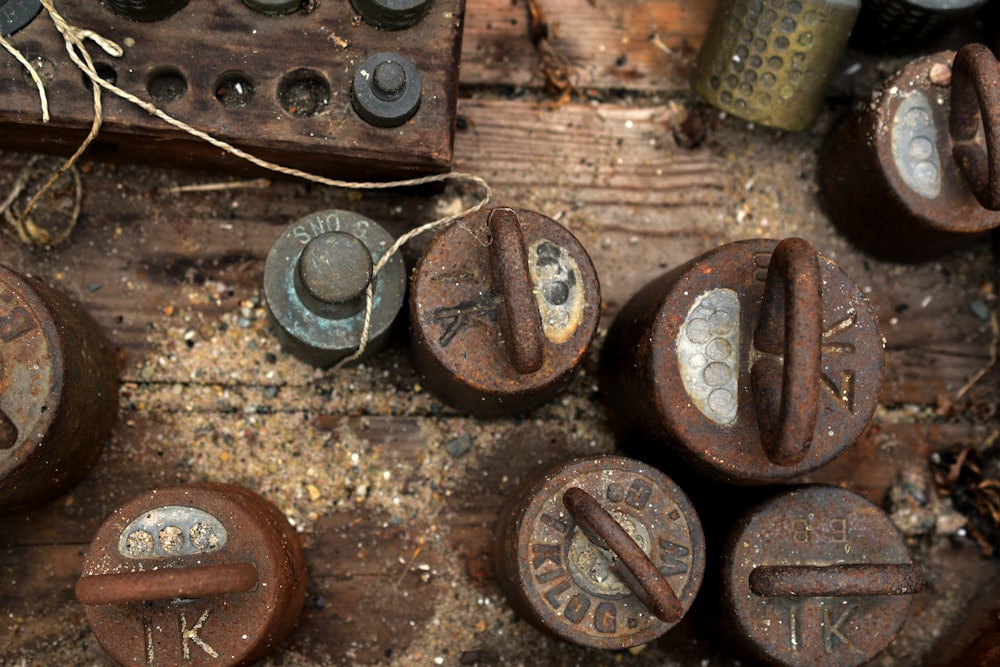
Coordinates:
[395,495]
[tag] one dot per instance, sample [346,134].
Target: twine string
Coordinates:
[75,39]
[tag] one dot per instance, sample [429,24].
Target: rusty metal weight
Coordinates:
[315,281]
[756,362]
[916,173]
[604,552]
[202,574]
[503,305]
[58,392]
[817,577]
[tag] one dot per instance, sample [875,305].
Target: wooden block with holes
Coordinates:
[276,86]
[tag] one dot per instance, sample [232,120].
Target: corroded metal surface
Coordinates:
[504,304]
[891,178]
[58,392]
[203,574]
[568,571]
[753,363]
[770,62]
[315,279]
[818,577]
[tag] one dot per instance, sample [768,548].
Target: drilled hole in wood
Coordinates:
[234,89]
[43,66]
[304,93]
[105,71]
[166,85]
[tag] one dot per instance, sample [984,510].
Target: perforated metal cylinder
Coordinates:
[769,61]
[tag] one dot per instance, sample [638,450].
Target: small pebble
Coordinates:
[458,446]
[93,287]
[980,309]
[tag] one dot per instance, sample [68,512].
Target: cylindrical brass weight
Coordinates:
[58,392]
[769,61]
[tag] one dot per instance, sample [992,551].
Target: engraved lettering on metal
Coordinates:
[599,551]
[914,145]
[708,353]
[818,577]
[200,575]
[457,318]
[558,289]
[170,531]
[503,306]
[315,279]
[190,635]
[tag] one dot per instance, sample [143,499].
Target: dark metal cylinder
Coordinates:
[898,25]
[16,14]
[392,14]
[769,61]
[58,392]
[145,11]
[315,280]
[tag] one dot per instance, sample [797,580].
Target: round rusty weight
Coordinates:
[756,362]
[605,552]
[916,173]
[202,574]
[503,305]
[817,577]
[58,392]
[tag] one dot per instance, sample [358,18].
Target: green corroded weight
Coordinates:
[769,61]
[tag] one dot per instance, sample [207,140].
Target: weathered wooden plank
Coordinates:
[294,104]
[612,44]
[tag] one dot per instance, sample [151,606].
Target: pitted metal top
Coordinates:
[565,583]
[459,311]
[177,534]
[31,366]
[915,148]
[815,526]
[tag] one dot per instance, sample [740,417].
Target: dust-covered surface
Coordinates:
[394,494]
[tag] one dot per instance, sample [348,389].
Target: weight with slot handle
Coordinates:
[756,362]
[915,173]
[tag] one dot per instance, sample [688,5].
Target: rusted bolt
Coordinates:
[604,552]
[818,577]
[202,574]
[503,305]
[916,174]
[770,63]
[315,281]
[756,362]
[58,392]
